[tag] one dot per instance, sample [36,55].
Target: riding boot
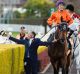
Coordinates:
[69,44]
[71,32]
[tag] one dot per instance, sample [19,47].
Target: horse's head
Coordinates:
[63,26]
[61,32]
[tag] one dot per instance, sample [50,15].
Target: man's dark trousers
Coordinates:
[31,67]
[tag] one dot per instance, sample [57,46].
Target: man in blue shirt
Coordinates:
[31,46]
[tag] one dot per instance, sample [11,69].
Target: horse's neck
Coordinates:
[65,38]
[57,34]
[63,35]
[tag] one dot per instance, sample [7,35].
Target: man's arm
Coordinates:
[41,43]
[16,40]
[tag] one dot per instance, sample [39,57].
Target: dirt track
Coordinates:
[73,70]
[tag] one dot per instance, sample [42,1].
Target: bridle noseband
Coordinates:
[61,29]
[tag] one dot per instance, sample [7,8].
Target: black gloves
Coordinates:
[71,32]
[50,26]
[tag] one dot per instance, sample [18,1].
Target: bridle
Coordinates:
[61,29]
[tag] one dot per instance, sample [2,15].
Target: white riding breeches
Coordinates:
[75,24]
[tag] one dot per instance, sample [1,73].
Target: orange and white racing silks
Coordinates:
[56,18]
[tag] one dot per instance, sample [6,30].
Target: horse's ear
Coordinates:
[61,19]
[64,20]
[68,21]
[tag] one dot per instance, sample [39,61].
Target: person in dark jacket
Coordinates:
[22,33]
[30,58]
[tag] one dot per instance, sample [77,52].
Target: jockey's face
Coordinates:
[61,7]
[70,13]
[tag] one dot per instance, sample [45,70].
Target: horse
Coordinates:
[76,50]
[58,50]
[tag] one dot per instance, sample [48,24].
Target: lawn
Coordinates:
[15,33]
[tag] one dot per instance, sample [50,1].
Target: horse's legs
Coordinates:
[63,66]
[55,67]
[67,70]
[68,63]
[56,70]
[63,70]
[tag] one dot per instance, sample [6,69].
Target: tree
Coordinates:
[17,14]
[37,9]
[76,4]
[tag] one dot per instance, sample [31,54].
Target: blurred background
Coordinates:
[30,13]
[33,15]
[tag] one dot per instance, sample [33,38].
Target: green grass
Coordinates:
[15,33]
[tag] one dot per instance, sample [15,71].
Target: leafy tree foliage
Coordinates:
[38,8]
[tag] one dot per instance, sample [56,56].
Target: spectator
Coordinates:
[22,34]
[30,58]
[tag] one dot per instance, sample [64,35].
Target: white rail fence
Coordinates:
[16,28]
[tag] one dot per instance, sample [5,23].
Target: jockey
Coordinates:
[75,25]
[55,18]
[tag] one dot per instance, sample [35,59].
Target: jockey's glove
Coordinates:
[71,32]
[9,34]
[50,26]
[75,33]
